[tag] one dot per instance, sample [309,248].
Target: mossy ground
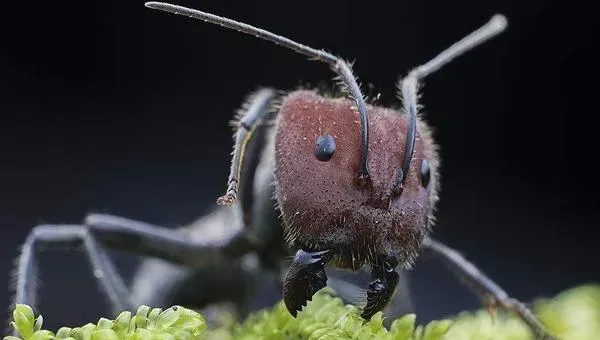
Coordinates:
[572,315]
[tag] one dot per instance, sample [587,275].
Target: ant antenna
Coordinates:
[337,65]
[410,84]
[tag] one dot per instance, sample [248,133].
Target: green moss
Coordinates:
[175,323]
[572,315]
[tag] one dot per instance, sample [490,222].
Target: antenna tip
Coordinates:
[152,4]
[499,22]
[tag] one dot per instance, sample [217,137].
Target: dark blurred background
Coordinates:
[110,107]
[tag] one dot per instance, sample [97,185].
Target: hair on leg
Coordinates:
[492,294]
[110,281]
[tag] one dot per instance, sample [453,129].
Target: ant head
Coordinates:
[324,206]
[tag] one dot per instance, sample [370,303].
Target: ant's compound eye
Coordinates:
[425,173]
[325,148]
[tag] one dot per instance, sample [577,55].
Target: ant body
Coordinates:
[354,184]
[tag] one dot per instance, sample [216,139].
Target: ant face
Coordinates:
[317,147]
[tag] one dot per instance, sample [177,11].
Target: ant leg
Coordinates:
[118,233]
[193,247]
[68,235]
[305,277]
[158,283]
[249,119]
[483,286]
[381,289]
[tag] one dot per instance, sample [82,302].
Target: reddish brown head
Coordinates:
[324,206]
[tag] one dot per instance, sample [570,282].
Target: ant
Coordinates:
[346,183]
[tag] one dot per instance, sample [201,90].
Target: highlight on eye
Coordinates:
[325,147]
[425,173]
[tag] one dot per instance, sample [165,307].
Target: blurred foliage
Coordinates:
[572,315]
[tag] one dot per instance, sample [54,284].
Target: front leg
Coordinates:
[382,288]
[481,284]
[305,277]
